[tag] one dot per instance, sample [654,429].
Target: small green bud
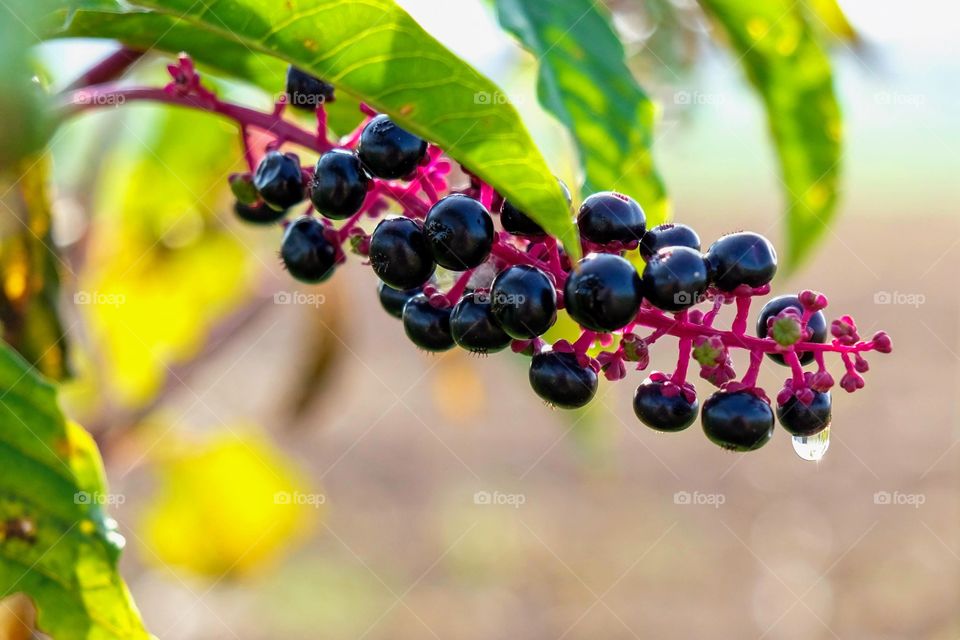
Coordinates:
[241,184]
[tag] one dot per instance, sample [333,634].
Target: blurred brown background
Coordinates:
[599,546]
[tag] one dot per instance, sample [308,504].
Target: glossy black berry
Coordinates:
[603,293]
[400,254]
[611,217]
[520,224]
[388,151]
[278,180]
[306,251]
[739,421]
[305,91]
[460,231]
[668,235]
[427,326]
[258,213]
[523,301]
[339,184]
[675,278]
[560,380]
[742,258]
[392,300]
[817,324]
[663,412]
[806,420]
[474,328]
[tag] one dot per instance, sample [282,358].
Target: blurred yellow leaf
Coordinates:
[828,15]
[230,505]
[29,279]
[565,328]
[163,272]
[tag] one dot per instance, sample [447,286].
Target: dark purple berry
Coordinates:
[388,151]
[307,252]
[671,412]
[520,224]
[806,420]
[339,184]
[523,301]
[258,213]
[742,258]
[392,300]
[400,254]
[305,91]
[427,326]
[817,324]
[611,217]
[460,231]
[675,278]
[603,293]
[560,380]
[474,328]
[663,412]
[668,235]
[278,180]
[739,421]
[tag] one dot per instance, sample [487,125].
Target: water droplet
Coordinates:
[814,447]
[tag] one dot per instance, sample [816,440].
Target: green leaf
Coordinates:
[790,70]
[168,34]
[585,83]
[29,264]
[374,51]
[154,31]
[57,544]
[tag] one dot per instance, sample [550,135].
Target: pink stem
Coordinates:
[321,121]
[411,203]
[453,295]
[354,136]
[344,232]
[818,357]
[683,329]
[428,189]
[709,316]
[750,377]
[247,149]
[585,341]
[656,335]
[110,68]
[793,360]
[94,97]
[848,363]
[683,357]
[683,361]
[513,255]
[743,310]
[553,252]
[486,195]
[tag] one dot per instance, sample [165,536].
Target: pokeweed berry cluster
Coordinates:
[510,280]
